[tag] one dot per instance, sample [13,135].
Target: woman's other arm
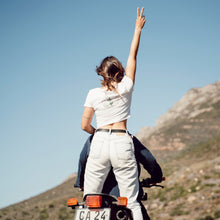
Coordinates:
[131,63]
[87,120]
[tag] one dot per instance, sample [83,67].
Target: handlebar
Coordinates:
[148,183]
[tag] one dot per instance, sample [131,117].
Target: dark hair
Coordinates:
[111,70]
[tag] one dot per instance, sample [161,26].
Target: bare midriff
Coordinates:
[118,125]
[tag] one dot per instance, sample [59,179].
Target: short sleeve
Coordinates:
[126,85]
[88,102]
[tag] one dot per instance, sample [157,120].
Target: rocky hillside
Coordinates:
[194,119]
[186,142]
[49,205]
[192,186]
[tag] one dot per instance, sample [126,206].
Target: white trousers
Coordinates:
[109,149]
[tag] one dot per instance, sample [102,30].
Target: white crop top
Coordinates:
[109,106]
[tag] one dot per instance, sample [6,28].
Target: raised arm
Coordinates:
[131,63]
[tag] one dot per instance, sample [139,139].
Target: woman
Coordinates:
[112,144]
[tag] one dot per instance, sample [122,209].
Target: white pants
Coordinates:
[109,149]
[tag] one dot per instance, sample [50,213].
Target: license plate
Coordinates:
[89,214]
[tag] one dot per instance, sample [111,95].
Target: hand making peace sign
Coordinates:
[140,21]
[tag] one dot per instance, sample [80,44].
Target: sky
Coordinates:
[49,50]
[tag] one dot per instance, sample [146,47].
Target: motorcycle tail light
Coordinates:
[123,201]
[94,201]
[72,202]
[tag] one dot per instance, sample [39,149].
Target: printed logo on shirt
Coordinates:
[109,102]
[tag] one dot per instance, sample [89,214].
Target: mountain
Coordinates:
[193,120]
[49,205]
[186,143]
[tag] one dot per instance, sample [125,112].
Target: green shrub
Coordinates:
[43,214]
[162,195]
[24,213]
[63,214]
[209,184]
[217,214]
[207,177]
[179,191]
[177,211]
[51,206]
[208,217]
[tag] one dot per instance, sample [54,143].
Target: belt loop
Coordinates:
[127,132]
[110,131]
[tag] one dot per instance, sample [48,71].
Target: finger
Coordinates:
[138,11]
[142,10]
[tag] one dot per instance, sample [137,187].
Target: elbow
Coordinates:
[84,126]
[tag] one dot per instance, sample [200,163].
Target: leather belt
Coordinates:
[111,130]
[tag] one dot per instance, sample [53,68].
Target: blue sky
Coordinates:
[48,54]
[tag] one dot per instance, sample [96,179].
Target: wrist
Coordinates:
[138,29]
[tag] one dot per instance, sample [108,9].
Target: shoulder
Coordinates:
[126,79]
[94,91]
[93,94]
[126,84]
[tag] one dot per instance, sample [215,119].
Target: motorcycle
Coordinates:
[106,207]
